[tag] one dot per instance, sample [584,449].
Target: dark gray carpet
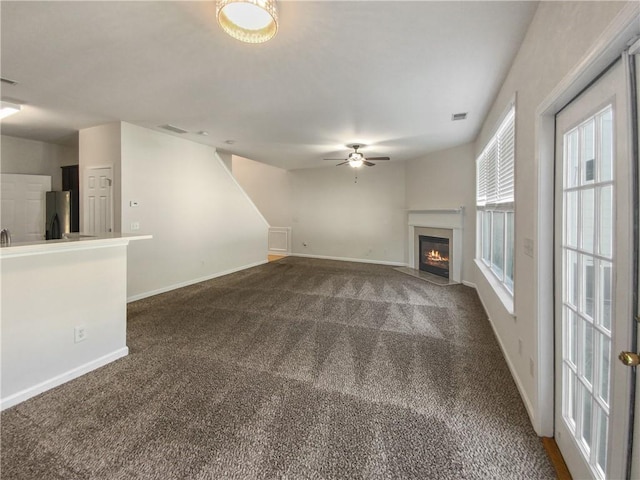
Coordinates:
[298,369]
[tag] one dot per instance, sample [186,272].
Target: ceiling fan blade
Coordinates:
[368,164]
[343,163]
[334,159]
[378,158]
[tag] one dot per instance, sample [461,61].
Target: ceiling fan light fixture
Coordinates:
[250,21]
[356,159]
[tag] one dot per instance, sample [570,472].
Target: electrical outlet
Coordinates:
[80,334]
[135,225]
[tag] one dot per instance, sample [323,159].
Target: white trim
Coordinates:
[512,369]
[246,195]
[286,231]
[346,259]
[41,387]
[469,284]
[175,286]
[437,218]
[607,47]
[437,210]
[505,297]
[511,103]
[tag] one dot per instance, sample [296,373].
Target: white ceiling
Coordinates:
[386,74]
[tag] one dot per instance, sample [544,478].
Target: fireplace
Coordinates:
[434,255]
[440,223]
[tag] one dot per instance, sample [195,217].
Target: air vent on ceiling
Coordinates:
[459,116]
[173,128]
[7,81]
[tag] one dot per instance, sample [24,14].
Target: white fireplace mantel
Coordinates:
[452,219]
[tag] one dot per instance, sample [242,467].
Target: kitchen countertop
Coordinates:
[74,241]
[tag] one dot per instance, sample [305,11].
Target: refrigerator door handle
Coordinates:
[55,227]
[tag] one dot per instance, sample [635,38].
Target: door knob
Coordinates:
[630,359]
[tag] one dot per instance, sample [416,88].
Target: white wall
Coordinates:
[100,147]
[31,157]
[45,295]
[444,180]
[336,217]
[560,35]
[269,188]
[203,224]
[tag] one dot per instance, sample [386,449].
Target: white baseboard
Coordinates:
[345,259]
[280,254]
[175,286]
[41,387]
[512,369]
[470,284]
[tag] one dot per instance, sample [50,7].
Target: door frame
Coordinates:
[608,47]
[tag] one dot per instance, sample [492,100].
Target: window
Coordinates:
[495,202]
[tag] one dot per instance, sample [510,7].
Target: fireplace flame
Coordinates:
[435,256]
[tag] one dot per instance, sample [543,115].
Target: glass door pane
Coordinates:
[587,250]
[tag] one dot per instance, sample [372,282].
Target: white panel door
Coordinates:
[594,270]
[97,201]
[22,209]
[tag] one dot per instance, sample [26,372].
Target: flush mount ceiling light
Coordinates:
[8,108]
[250,21]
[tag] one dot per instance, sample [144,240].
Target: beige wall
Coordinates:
[203,224]
[269,188]
[444,180]
[337,217]
[31,157]
[559,37]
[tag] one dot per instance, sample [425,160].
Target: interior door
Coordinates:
[97,201]
[594,218]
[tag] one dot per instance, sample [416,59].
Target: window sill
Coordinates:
[506,298]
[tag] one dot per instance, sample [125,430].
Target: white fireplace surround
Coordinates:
[450,220]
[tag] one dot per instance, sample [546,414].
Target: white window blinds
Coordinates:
[495,166]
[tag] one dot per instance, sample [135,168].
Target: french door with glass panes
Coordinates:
[593,279]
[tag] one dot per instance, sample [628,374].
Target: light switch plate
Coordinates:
[528,247]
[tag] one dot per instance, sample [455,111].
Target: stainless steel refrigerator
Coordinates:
[58,211]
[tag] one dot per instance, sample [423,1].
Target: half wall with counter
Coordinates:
[63,311]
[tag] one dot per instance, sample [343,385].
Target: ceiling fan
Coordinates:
[356,159]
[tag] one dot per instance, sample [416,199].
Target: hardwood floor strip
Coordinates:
[553,451]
